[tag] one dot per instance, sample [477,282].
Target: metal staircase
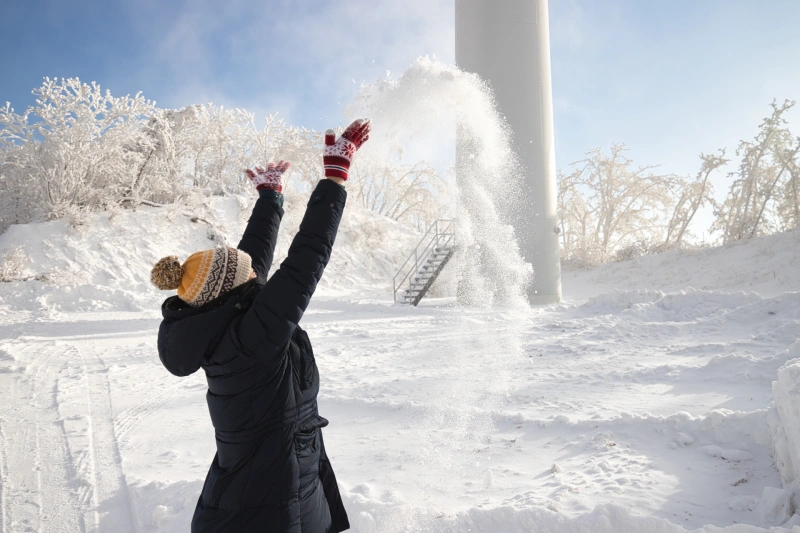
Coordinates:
[425,263]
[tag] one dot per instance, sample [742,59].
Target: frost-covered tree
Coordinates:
[276,140]
[69,151]
[408,192]
[762,198]
[211,148]
[789,199]
[611,209]
[79,149]
[693,196]
[155,172]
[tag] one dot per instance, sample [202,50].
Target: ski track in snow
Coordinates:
[129,418]
[61,465]
[109,485]
[37,487]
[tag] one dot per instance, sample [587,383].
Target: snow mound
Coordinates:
[784,423]
[103,262]
[767,265]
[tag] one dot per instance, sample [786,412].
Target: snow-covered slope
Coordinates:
[104,262]
[643,403]
[767,265]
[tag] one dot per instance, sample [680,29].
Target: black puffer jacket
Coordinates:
[270,473]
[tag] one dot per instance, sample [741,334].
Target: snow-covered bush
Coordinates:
[277,141]
[210,147]
[764,196]
[611,211]
[13,264]
[693,196]
[406,192]
[606,206]
[79,149]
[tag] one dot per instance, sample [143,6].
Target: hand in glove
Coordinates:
[272,178]
[338,154]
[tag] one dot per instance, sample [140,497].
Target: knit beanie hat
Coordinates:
[204,275]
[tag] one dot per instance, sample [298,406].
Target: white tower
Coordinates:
[507,42]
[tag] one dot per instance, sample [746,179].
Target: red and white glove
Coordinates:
[338,154]
[271,178]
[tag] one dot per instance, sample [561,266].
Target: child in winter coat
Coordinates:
[270,472]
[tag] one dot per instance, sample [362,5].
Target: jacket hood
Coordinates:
[188,335]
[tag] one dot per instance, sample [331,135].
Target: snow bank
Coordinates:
[769,265]
[784,422]
[103,263]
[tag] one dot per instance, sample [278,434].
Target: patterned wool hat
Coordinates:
[204,275]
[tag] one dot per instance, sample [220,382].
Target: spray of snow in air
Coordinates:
[421,111]
[435,111]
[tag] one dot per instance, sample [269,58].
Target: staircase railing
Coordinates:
[441,233]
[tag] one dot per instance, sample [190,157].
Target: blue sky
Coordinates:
[669,78]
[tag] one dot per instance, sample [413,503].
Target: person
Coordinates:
[270,472]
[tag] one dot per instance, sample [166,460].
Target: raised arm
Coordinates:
[261,233]
[280,305]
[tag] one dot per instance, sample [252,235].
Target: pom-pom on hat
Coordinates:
[204,275]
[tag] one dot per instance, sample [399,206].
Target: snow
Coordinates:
[784,422]
[774,507]
[643,403]
[768,265]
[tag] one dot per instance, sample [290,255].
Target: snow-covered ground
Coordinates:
[639,404]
